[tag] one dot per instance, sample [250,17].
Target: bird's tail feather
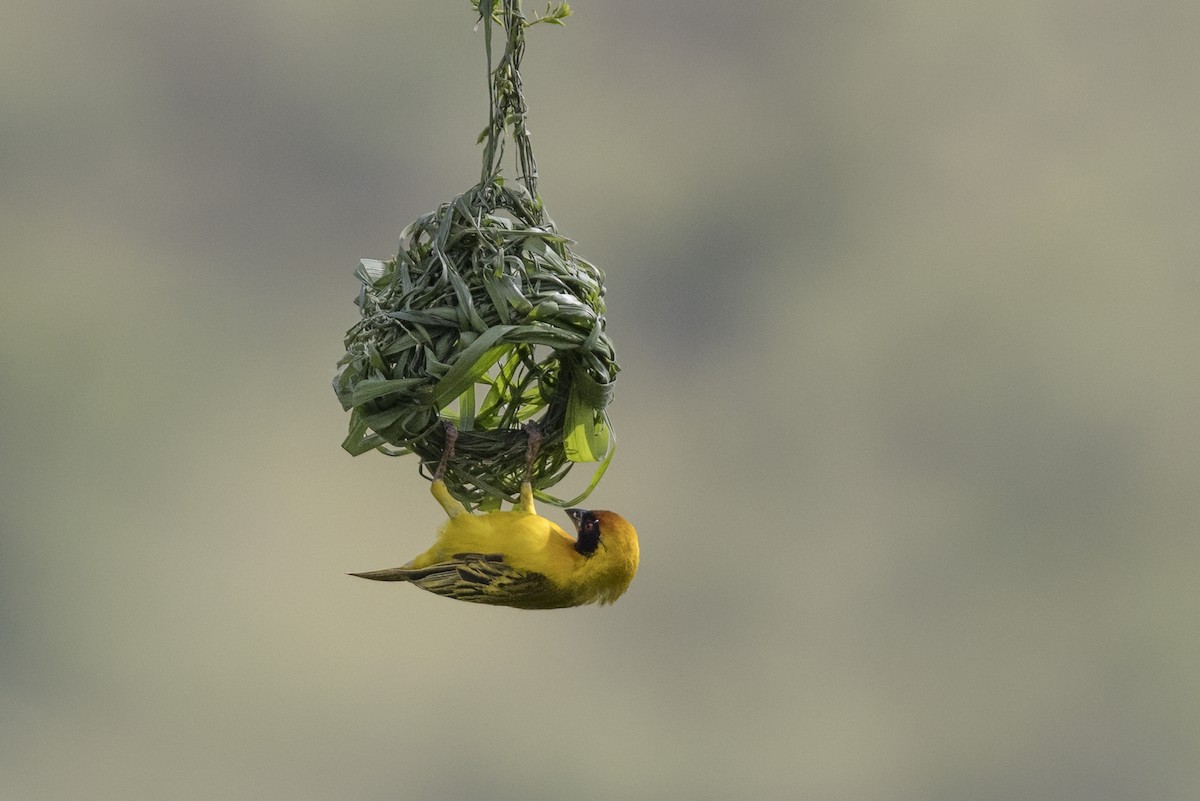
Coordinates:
[402,573]
[388,574]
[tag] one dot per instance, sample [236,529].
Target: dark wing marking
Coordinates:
[486,579]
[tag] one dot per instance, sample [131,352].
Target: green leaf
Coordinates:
[370,388]
[358,442]
[466,409]
[471,363]
[585,431]
[371,271]
[595,482]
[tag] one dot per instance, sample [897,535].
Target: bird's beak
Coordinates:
[576,516]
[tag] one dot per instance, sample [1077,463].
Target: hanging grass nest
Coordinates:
[485,317]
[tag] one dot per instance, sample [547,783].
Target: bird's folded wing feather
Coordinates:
[488,579]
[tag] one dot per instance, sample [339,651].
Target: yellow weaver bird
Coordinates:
[519,558]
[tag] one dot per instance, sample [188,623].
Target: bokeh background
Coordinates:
[907,300]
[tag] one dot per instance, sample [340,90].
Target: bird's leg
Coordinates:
[452,505]
[451,437]
[534,435]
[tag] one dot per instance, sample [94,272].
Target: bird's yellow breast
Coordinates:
[527,541]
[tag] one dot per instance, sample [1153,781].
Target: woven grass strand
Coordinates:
[505,95]
[484,295]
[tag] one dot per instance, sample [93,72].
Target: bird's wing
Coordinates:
[487,579]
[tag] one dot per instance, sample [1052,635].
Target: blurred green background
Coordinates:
[907,298]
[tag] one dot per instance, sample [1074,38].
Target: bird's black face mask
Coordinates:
[587,527]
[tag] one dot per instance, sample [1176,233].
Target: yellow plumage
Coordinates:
[519,558]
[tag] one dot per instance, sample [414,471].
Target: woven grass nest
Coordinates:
[487,318]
